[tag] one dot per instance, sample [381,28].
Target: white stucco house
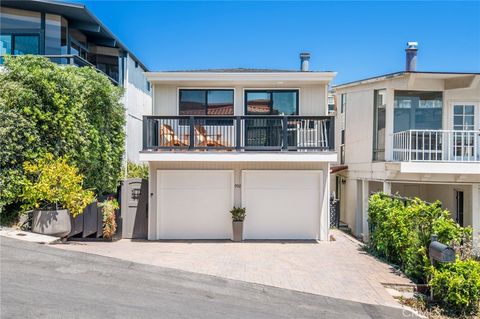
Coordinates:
[412,133]
[260,139]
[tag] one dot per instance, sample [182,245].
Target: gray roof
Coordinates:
[78,13]
[240,70]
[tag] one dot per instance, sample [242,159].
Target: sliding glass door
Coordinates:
[267,131]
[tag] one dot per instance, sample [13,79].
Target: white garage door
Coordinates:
[194,204]
[282,204]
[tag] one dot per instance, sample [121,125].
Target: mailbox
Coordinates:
[441,252]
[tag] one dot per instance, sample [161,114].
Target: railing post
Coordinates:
[191,123]
[284,133]
[331,133]
[410,145]
[238,133]
[145,132]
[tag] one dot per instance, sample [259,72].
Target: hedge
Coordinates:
[400,232]
[62,110]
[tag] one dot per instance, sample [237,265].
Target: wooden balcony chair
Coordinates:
[168,137]
[205,140]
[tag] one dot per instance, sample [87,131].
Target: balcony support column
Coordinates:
[387,187]
[476,216]
[365,196]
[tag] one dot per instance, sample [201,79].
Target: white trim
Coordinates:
[299,157]
[175,77]
[440,168]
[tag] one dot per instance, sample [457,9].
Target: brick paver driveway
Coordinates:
[339,269]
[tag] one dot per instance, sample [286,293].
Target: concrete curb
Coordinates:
[28,236]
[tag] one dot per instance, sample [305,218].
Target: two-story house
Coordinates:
[412,133]
[255,138]
[69,33]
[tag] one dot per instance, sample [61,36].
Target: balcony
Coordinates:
[238,133]
[73,59]
[436,146]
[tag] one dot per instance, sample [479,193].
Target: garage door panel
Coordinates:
[282,204]
[195,204]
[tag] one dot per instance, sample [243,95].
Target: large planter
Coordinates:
[52,222]
[237,231]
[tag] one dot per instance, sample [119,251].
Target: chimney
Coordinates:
[304,61]
[411,55]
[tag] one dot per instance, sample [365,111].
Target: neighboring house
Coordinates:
[68,33]
[412,133]
[260,139]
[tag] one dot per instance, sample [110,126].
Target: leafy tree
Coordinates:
[62,110]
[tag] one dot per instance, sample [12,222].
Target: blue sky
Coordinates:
[356,39]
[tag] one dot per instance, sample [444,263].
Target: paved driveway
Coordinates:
[338,269]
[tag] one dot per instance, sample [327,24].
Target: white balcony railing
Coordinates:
[436,146]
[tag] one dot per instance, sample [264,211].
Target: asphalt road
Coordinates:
[38,281]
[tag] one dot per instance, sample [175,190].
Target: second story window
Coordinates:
[420,110]
[205,102]
[343,103]
[379,107]
[271,102]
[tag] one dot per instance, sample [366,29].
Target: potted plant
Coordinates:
[238,216]
[53,189]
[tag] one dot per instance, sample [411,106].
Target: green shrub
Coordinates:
[401,232]
[238,213]
[52,183]
[457,286]
[62,110]
[137,170]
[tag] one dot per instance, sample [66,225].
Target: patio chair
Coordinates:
[205,139]
[168,137]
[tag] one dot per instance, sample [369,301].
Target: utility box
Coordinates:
[134,208]
[441,252]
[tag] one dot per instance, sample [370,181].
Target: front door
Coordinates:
[465,134]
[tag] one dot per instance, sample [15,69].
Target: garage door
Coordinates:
[282,204]
[194,204]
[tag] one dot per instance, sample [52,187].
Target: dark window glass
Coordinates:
[206,102]
[343,102]
[258,103]
[5,44]
[192,102]
[25,44]
[417,110]
[379,102]
[272,102]
[220,102]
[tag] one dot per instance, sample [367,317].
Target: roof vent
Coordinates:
[304,61]
[411,56]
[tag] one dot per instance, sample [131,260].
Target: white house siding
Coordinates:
[138,102]
[312,98]
[238,167]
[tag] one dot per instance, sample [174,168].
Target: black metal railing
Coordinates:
[256,133]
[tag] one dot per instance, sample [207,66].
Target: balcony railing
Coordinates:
[238,133]
[436,146]
[76,60]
